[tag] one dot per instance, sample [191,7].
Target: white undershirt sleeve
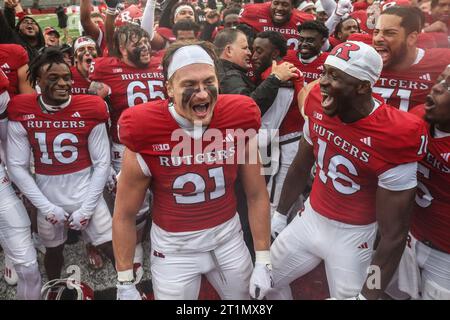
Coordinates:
[306,132]
[329,6]
[4,99]
[148,18]
[332,22]
[99,150]
[399,178]
[145,169]
[18,153]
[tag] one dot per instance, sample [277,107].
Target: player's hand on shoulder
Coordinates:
[284,71]
[57,216]
[100,89]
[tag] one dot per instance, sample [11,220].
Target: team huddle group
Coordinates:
[357,174]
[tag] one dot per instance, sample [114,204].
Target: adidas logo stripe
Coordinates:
[363,246]
[425,76]
[445,156]
[367,141]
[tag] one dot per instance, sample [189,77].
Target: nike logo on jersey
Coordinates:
[76,115]
[425,76]
[367,141]
[445,156]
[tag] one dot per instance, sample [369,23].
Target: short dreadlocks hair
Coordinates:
[48,56]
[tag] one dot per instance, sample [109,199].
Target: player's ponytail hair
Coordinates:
[207,46]
[46,56]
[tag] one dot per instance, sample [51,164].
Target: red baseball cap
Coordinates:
[48,30]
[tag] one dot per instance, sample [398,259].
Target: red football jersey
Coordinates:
[293,120]
[366,25]
[351,156]
[80,84]
[193,189]
[311,71]
[259,18]
[166,33]
[431,219]
[4,82]
[59,141]
[129,86]
[12,58]
[409,88]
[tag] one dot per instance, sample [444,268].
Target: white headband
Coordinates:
[186,56]
[177,10]
[82,43]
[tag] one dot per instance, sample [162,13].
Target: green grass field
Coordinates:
[50,20]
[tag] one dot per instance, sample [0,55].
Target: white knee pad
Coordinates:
[432,291]
[29,284]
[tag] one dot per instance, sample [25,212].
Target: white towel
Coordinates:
[409,279]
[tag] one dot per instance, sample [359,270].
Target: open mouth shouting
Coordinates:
[327,102]
[384,52]
[429,103]
[201,110]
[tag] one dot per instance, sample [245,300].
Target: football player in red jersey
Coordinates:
[361,183]
[283,115]
[14,63]
[70,145]
[92,27]
[277,15]
[132,78]
[15,236]
[85,52]
[408,72]
[428,248]
[196,229]
[309,58]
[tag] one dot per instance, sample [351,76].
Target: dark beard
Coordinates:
[399,56]
[263,67]
[135,57]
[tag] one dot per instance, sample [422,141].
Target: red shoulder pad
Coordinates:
[21,105]
[235,111]
[408,142]
[92,107]
[100,67]
[4,82]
